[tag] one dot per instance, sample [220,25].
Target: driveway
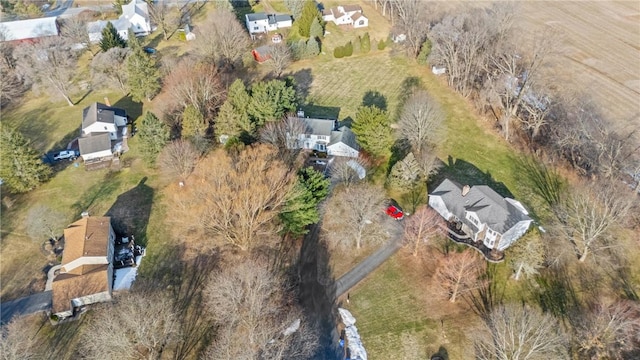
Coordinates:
[25,306]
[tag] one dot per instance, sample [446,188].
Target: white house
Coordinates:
[95,147]
[343,143]
[322,135]
[261,22]
[99,118]
[481,213]
[135,15]
[346,15]
[86,275]
[29,29]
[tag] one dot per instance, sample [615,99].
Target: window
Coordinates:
[256,28]
[321,137]
[361,22]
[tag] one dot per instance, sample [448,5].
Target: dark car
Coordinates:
[149,50]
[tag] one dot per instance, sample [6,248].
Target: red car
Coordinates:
[395,212]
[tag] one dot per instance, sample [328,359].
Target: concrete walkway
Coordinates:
[50,276]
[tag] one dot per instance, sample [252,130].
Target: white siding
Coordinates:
[91,299]
[97,155]
[438,205]
[341,149]
[513,234]
[361,22]
[99,127]
[285,24]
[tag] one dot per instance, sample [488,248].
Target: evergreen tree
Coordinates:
[405,173]
[338,52]
[315,182]
[111,38]
[233,118]
[348,49]
[425,50]
[312,47]
[316,31]
[365,43]
[295,6]
[144,77]
[309,13]
[373,130]
[20,166]
[154,135]
[381,45]
[301,208]
[271,100]
[193,124]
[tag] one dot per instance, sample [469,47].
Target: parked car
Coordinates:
[66,154]
[149,50]
[395,212]
[320,162]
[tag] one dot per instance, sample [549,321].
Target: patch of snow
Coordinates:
[357,168]
[346,317]
[292,328]
[353,338]
[126,276]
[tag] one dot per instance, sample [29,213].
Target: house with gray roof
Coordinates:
[324,136]
[262,23]
[95,147]
[343,143]
[346,15]
[135,16]
[484,215]
[99,118]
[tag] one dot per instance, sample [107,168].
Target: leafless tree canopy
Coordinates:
[222,39]
[18,340]
[342,170]
[235,199]
[167,17]
[178,159]
[459,273]
[588,214]
[50,62]
[44,223]
[109,69]
[421,227]
[285,135]
[280,58]
[135,325]
[609,330]
[516,332]
[352,217]
[256,316]
[527,255]
[421,122]
[412,18]
[75,29]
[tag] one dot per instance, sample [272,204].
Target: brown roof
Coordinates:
[88,236]
[68,286]
[356,16]
[327,12]
[348,8]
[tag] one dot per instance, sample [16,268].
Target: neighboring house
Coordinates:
[25,30]
[86,276]
[262,23]
[135,15]
[346,15]
[481,213]
[261,53]
[99,118]
[322,135]
[95,147]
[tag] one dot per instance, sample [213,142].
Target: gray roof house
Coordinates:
[322,135]
[481,213]
[135,15]
[261,22]
[100,118]
[343,143]
[95,147]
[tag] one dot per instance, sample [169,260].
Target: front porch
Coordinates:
[455,233]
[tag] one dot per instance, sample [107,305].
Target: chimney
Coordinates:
[465,190]
[85,214]
[106,101]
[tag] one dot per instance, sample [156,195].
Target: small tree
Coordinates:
[178,159]
[425,50]
[18,340]
[271,100]
[365,43]
[526,256]
[233,118]
[193,123]
[348,49]
[143,75]
[421,227]
[312,47]
[154,135]
[21,168]
[44,223]
[338,52]
[405,173]
[382,45]
[109,69]
[316,31]
[280,58]
[111,38]
[459,273]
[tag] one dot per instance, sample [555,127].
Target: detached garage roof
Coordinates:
[29,29]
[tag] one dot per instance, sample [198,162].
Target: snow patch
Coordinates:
[353,338]
[126,276]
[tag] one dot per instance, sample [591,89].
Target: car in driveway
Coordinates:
[66,155]
[395,212]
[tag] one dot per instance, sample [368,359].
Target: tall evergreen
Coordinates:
[315,30]
[309,13]
[144,76]
[271,100]
[365,43]
[372,127]
[111,38]
[154,135]
[301,208]
[21,169]
[193,124]
[233,118]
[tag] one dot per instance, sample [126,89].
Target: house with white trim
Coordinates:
[346,15]
[135,15]
[102,127]
[30,29]
[481,213]
[323,135]
[258,23]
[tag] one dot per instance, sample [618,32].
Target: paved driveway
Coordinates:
[25,306]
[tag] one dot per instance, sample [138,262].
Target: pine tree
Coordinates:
[348,49]
[373,130]
[526,256]
[193,124]
[425,50]
[381,45]
[271,100]
[154,135]
[315,182]
[312,47]
[111,38]
[309,13]
[316,31]
[405,173]
[144,77]
[233,118]
[295,6]
[301,208]
[338,52]
[365,43]
[20,167]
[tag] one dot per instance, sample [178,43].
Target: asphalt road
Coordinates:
[24,306]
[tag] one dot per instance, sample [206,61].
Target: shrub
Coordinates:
[348,49]
[312,47]
[425,50]
[381,45]
[365,43]
[338,52]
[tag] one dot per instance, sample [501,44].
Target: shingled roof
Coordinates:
[94,143]
[98,112]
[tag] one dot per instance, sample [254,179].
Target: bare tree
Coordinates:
[236,198]
[346,170]
[285,135]
[18,340]
[609,330]
[167,17]
[256,318]
[421,227]
[145,326]
[178,159]
[50,62]
[421,122]
[75,30]
[405,173]
[222,38]
[459,273]
[353,217]
[280,58]
[588,214]
[196,84]
[413,19]
[44,223]
[515,332]
[11,86]
[527,256]
[109,69]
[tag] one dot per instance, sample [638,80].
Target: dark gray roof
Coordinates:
[345,136]
[256,16]
[491,208]
[98,112]
[319,126]
[283,17]
[94,143]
